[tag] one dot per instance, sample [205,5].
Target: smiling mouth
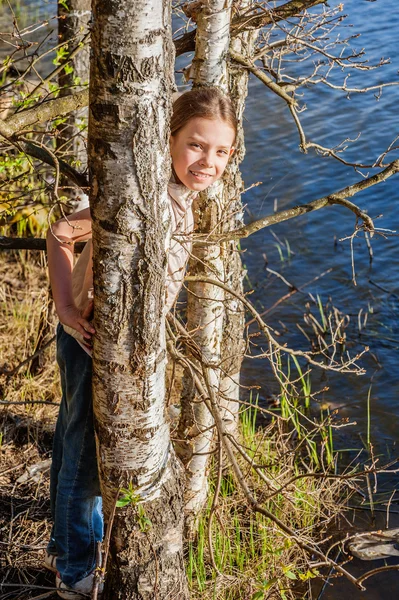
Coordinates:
[200,175]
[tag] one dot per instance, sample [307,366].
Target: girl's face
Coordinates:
[200,151]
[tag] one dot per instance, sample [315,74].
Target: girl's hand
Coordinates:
[79,320]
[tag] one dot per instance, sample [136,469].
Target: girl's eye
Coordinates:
[195,145]
[223,151]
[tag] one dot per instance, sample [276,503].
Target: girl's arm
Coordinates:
[60,241]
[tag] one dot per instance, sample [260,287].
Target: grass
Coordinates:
[255,559]
[23,300]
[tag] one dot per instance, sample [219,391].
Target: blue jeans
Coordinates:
[74,486]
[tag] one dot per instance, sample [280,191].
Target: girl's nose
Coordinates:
[206,161]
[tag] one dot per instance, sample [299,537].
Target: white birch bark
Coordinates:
[130,92]
[233,328]
[205,302]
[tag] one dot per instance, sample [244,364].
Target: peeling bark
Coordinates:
[130,104]
[205,302]
[233,329]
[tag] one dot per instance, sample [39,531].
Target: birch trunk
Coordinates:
[73,28]
[205,302]
[233,344]
[130,91]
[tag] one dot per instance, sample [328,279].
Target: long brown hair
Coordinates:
[207,103]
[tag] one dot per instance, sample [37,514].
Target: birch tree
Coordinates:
[130,103]
[216,318]
[205,310]
[130,90]
[233,345]
[73,33]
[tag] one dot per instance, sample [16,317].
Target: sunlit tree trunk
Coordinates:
[205,302]
[130,91]
[73,30]
[234,320]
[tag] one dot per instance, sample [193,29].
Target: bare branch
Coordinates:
[332,365]
[44,111]
[266,17]
[186,43]
[339,197]
[268,81]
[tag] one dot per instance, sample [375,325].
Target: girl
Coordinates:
[203,130]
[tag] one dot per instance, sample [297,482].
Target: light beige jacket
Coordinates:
[182,223]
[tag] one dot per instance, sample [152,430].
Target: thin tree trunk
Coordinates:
[233,344]
[205,302]
[130,91]
[73,28]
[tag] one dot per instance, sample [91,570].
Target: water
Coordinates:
[290,178]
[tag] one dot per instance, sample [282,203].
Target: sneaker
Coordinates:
[80,590]
[50,562]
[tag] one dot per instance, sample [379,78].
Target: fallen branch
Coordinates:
[27,402]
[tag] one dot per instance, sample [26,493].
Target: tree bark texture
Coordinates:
[205,308]
[73,26]
[130,102]
[233,344]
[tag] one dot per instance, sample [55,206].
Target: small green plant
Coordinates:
[280,252]
[322,313]
[130,496]
[304,380]
[61,55]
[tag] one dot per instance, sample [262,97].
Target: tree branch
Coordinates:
[268,81]
[41,153]
[339,197]
[186,43]
[281,13]
[333,365]
[62,106]
[44,111]
[18,243]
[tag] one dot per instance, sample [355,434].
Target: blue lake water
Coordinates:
[289,178]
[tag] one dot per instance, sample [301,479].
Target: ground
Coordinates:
[250,552]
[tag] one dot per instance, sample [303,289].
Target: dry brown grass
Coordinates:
[26,430]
